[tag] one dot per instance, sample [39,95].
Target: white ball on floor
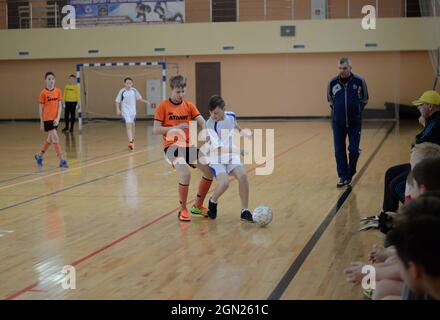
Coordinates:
[262,215]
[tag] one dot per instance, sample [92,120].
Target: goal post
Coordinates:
[81,67]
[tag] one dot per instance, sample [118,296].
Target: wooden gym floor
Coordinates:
[113,216]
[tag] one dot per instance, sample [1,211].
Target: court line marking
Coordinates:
[78,185]
[5,232]
[96,252]
[58,168]
[290,274]
[148,147]
[83,182]
[26,174]
[76,168]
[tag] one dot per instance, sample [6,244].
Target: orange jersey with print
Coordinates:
[172,115]
[49,99]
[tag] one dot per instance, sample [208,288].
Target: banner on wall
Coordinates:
[109,12]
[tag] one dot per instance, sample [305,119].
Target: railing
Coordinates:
[30,14]
[47,14]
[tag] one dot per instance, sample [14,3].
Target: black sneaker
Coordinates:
[343,183]
[65,130]
[212,210]
[246,215]
[386,222]
[368,219]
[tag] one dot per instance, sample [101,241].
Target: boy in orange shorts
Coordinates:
[50,113]
[171,120]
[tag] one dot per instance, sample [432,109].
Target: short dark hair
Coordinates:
[128,78]
[216,101]
[344,60]
[427,173]
[417,240]
[416,234]
[72,76]
[178,82]
[49,73]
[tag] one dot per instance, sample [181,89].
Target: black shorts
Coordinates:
[191,154]
[48,125]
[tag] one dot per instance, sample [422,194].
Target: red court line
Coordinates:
[77,262]
[24,290]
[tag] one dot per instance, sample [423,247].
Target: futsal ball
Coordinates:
[262,215]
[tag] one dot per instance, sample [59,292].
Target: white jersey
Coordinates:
[221,135]
[127,99]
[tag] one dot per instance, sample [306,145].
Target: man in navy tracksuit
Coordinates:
[347,94]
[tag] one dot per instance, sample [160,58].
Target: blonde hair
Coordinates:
[424,151]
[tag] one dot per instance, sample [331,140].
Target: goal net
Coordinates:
[100,83]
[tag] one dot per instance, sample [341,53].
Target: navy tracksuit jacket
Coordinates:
[347,102]
[395,177]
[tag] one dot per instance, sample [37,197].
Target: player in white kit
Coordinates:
[224,157]
[126,106]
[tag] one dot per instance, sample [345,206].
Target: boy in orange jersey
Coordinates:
[171,120]
[50,113]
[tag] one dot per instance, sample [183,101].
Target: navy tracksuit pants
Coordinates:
[395,183]
[346,167]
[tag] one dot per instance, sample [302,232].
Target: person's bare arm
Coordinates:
[390,271]
[57,120]
[40,109]
[158,129]
[139,98]
[381,254]
[246,133]
[201,122]
[144,101]
[386,270]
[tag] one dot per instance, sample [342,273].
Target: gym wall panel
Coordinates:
[251,10]
[357,5]
[253,85]
[3,19]
[391,8]
[392,34]
[337,9]
[302,10]
[197,11]
[279,10]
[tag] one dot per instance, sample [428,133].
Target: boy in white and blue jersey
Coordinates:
[224,156]
[126,106]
